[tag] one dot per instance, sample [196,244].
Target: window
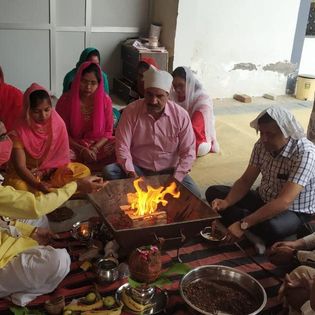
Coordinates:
[310,28]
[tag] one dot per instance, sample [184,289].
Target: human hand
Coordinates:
[305,280]
[295,280]
[219,204]
[42,236]
[95,149]
[132,174]
[44,187]
[297,244]
[109,145]
[88,155]
[234,232]
[281,255]
[90,184]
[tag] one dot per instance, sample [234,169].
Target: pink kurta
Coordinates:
[156,145]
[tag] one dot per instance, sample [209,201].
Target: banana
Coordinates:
[132,304]
[82,308]
[115,311]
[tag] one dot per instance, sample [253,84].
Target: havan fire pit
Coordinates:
[179,214]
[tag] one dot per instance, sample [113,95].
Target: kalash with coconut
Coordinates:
[144,267]
[145,262]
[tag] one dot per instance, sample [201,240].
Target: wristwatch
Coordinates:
[244,225]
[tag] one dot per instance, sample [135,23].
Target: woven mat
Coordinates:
[198,253]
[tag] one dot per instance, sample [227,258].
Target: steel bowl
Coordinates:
[226,274]
[207,234]
[106,270]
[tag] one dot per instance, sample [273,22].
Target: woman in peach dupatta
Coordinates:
[40,159]
[87,112]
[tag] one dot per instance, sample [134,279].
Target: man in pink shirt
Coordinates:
[154,135]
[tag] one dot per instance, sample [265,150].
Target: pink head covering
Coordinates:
[47,142]
[98,129]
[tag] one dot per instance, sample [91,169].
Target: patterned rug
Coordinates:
[197,253]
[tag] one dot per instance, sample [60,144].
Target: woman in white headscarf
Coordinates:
[188,93]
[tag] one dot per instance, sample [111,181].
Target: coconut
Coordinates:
[145,264]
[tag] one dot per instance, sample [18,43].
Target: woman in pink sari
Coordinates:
[87,112]
[40,159]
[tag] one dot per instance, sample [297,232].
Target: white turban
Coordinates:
[284,119]
[157,79]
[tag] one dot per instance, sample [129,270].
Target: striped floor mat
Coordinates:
[198,253]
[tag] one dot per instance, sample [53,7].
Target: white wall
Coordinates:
[24,53]
[41,40]
[237,45]
[307,65]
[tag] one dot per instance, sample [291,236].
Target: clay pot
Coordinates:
[145,264]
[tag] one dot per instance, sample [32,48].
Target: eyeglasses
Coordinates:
[89,82]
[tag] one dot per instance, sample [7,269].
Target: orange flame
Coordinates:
[146,202]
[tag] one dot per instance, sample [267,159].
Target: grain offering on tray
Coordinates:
[216,295]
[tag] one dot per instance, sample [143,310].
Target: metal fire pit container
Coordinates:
[186,216]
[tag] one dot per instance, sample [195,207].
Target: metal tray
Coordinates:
[158,301]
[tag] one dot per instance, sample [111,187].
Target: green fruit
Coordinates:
[91,297]
[67,312]
[109,301]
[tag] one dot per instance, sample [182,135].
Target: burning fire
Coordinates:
[146,202]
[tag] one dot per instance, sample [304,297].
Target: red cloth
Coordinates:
[47,142]
[198,124]
[11,103]
[150,61]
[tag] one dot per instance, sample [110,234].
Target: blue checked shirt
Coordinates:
[295,164]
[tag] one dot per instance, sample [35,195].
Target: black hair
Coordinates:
[93,67]
[37,97]
[143,65]
[265,118]
[93,53]
[179,72]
